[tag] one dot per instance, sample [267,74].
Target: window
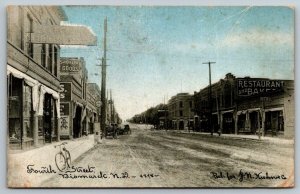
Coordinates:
[55,60]
[280,121]
[50,59]
[180,104]
[43,55]
[28,32]
[191,104]
[14,111]
[180,113]
[27,112]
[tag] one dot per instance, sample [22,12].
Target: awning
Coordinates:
[55,95]
[274,109]
[227,111]
[37,96]
[29,81]
[253,109]
[18,74]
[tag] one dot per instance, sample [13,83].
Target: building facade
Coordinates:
[247,106]
[32,77]
[73,97]
[180,111]
[93,105]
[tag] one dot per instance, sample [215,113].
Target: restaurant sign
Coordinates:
[258,87]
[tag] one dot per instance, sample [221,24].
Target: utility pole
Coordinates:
[209,98]
[112,115]
[103,82]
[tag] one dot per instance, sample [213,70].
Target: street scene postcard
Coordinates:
[150,96]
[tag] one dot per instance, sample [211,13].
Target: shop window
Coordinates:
[14,109]
[280,122]
[27,112]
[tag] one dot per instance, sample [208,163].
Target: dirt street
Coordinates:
[149,158]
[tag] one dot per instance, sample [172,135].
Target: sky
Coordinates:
[156,52]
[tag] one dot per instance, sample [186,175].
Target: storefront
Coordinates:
[274,121]
[32,111]
[249,121]
[227,122]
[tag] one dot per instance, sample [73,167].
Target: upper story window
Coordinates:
[55,60]
[180,104]
[50,57]
[181,113]
[28,31]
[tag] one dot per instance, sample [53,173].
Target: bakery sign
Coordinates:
[70,65]
[258,87]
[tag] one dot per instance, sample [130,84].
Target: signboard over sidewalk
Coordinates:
[63,35]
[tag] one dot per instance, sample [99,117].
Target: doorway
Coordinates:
[47,125]
[77,122]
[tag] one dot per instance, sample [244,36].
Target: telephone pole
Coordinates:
[112,114]
[209,98]
[103,82]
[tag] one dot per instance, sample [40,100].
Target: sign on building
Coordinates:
[65,95]
[64,108]
[69,65]
[64,125]
[258,87]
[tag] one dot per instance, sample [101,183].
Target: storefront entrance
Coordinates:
[181,125]
[228,123]
[77,122]
[274,123]
[47,125]
[20,113]
[254,121]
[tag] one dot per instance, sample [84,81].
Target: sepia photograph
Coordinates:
[150,96]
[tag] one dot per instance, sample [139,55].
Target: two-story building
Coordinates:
[246,106]
[180,111]
[73,97]
[93,105]
[32,77]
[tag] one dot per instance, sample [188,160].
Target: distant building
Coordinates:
[223,106]
[181,113]
[247,106]
[32,77]
[93,104]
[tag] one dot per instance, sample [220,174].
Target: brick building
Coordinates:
[180,111]
[245,109]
